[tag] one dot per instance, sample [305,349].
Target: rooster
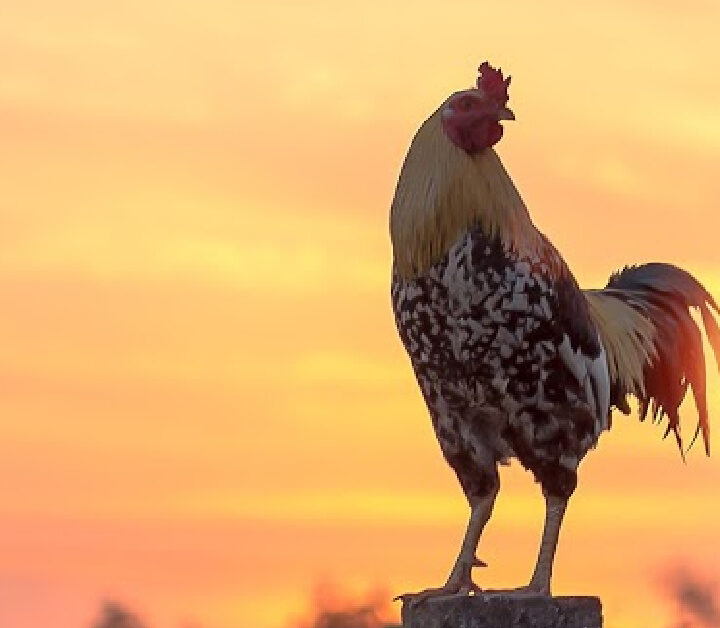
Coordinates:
[513,359]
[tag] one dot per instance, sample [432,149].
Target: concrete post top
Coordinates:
[497,610]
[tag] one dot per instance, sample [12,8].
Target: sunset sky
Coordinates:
[205,411]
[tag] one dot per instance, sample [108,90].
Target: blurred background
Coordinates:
[205,414]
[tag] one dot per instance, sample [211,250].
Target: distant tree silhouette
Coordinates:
[113,615]
[363,617]
[337,615]
[697,600]
[333,609]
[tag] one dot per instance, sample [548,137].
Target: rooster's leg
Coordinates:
[460,579]
[554,511]
[540,582]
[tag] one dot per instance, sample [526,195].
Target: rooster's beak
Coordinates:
[505,114]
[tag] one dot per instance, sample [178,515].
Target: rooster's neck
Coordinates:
[442,192]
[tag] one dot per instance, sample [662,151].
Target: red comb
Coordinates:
[492,85]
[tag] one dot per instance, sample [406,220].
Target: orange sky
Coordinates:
[205,409]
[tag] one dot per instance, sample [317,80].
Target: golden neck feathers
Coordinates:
[442,192]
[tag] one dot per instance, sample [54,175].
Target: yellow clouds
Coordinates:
[253,266]
[351,368]
[515,512]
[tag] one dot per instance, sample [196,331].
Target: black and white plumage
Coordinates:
[505,363]
[513,359]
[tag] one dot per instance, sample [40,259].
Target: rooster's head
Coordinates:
[471,119]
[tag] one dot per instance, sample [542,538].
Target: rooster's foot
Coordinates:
[529,590]
[459,584]
[447,590]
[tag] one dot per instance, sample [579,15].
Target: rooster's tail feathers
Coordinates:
[654,346]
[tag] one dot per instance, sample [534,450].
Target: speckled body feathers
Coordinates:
[504,362]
